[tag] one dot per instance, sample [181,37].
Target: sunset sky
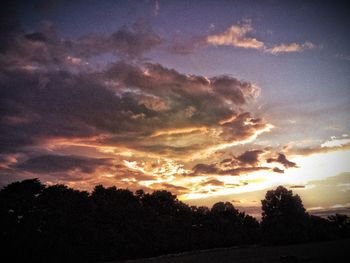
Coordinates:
[211,100]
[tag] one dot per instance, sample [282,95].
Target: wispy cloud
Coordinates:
[328,146]
[236,35]
[343,57]
[156,8]
[289,48]
[240,36]
[334,142]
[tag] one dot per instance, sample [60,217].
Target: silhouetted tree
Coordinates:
[342,223]
[18,218]
[284,219]
[116,217]
[66,214]
[321,229]
[224,223]
[55,223]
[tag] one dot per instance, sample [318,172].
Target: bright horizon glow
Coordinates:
[262,180]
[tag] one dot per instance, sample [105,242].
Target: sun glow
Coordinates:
[180,131]
[314,167]
[210,150]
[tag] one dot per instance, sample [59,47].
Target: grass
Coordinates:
[330,251]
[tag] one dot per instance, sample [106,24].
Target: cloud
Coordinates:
[337,199]
[46,5]
[126,42]
[278,170]
[46,49]
[213,182]
[183,104]
[76,171]
[69,106]
[239,36]
[290,48]
[250,157]
[342,57]
[156,8]
[214,169]
[242,127]
[247,158]
[149,108]
[296,186]
[236,36]
[10,25]
[282,159]
[325,212]
[175,189]
[182,45]
[202,168]
[248,161]
[130,123]
[334,142]
[58,163]
[328,146]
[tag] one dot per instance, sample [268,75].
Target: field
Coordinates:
[330,251]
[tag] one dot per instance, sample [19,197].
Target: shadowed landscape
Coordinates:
[329,251]
[174,131]
[56,223]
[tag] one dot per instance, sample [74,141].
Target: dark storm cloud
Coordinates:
[74,168]
[247,162]
[184,90]
[46,47]
[282,159]
[180,101]
[66,106]
[232,89]
[43,49]
[242,127]
[175,189]
[250,157]
[242,170]
[61,163]
[44,100]
[49,92]
[214,182]
[126,42]
[203,169]
[37,105]
[46,5]
[120,171]
[10,26]
[278,170]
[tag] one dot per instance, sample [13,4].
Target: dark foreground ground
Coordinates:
[331,251]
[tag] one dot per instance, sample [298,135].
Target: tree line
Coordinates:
[57,223]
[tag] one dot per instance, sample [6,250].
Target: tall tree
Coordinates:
[284,219]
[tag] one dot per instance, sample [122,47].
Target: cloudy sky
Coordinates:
[211,100]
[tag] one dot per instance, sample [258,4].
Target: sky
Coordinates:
[211,100]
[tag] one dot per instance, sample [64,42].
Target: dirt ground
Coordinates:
[330,251]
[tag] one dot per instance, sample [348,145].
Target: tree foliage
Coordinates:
[56,223]
[284,218]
